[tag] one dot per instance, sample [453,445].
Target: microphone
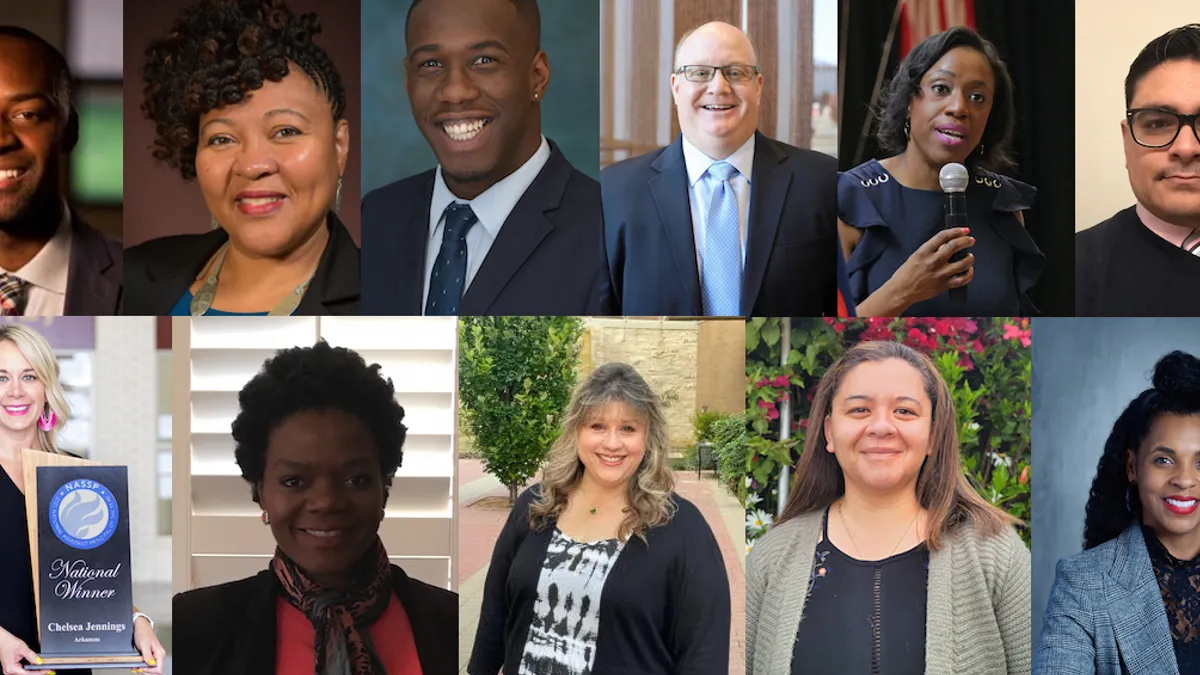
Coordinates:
[954,178]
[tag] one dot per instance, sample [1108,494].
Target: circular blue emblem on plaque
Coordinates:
[83,514]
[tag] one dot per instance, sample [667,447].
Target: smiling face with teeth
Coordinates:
[1166,471]
[323,489]
[269,166]
[716,116]
[22,392]
[475,77]
[30,131]
[950,110]
[612,443]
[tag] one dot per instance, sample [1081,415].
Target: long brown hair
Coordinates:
[649,489]
[942,489]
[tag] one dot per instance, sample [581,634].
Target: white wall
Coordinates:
[1108,36]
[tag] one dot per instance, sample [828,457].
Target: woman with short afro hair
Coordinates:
[319,437]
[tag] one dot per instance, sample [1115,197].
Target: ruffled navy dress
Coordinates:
[897,220]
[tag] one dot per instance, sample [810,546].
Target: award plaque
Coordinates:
[78,514]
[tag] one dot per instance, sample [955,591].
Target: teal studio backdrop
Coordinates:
[392,146]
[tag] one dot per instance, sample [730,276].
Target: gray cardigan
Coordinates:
[977,620]
[1106,614]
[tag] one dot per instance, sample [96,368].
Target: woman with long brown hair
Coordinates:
[885,559]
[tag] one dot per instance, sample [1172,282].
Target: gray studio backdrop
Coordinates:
[1085,372]
[393,148]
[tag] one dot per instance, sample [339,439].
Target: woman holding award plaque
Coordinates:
[32,408]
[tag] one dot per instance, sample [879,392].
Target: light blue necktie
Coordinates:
[721,268]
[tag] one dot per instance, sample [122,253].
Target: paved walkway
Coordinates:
[479,528]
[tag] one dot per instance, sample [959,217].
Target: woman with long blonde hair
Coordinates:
[33,408]
[885,559]
[602,568]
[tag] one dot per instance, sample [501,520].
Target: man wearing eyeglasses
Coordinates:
[724,221]
[1145,260]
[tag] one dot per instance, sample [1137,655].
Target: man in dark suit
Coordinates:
[51,262]
[724,221]
[504,224]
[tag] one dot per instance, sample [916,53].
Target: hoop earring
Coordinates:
[48,419]
[1129,497]
[212,222]
[907,129]
[337,200]
[266,518]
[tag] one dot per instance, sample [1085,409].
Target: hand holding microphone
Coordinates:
[929,271]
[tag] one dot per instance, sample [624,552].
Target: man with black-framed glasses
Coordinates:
[724,221]
[1145,260]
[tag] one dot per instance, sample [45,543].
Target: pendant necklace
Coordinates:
[202,300]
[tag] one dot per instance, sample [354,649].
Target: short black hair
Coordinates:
[216,53]
[320,377]
[1181,43]
[63,84]
[892,111]
[1111,507]
[529,8]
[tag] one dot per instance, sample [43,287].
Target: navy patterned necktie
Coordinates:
[446,282]
[12,295]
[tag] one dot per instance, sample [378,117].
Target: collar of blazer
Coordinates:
[96,274]
[768,193]
[1135,606]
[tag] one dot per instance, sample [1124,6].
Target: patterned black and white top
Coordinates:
[566,616]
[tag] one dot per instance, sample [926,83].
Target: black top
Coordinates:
[1123,269]
[863,616]
[158,272]
[1179,582]
[897,220]
[665,607]
[230,628]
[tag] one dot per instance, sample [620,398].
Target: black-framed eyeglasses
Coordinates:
[1158,128]
[734,73]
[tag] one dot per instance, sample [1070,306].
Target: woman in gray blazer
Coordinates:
[885,559]
[1130,602]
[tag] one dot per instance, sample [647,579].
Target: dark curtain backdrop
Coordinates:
[1036,41]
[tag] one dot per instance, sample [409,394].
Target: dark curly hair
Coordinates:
[1111,507]
[1181,43]
[892,112]
[316,378]
[217,52]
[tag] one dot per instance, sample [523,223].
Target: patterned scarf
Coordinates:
[341,619]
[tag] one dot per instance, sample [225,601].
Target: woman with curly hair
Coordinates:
[34,411]
[245,102]
[319,438]
[602,568]
[951,101]
[886,559]
[1130,602]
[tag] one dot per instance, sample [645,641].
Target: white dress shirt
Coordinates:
[700,191]
[492,207]
[46,274]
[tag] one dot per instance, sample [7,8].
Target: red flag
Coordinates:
[921,18]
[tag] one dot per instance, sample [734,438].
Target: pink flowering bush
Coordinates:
[985,362]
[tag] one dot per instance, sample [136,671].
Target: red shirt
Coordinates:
[391,633]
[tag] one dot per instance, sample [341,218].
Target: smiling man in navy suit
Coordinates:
[724,221]
[504,224]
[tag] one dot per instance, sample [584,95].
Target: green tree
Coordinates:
[515,375]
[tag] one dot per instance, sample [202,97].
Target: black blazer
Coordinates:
[791,244]
[665,607]
[158,272]
[95,275]
[544,261]
[231,628]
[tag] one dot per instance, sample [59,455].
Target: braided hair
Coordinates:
[1112,503]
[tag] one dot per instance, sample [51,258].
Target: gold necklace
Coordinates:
[857,550]
[202,300]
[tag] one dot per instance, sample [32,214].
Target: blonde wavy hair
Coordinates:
[41,358]
[649,489]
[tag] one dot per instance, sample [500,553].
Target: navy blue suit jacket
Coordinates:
[544,261]
[791,247]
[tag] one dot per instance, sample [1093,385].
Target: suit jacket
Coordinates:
[543,262]
[96,274]
[158,273]
[1106,615]
[230,628]
[791,244]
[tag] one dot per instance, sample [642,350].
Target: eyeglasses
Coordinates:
[735,73]
[1157,128]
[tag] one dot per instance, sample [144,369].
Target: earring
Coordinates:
[980,150]
[212,221]
[1129,498]
[48,419]
[907,129]
[266,519]
[337,199]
